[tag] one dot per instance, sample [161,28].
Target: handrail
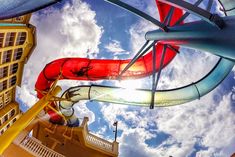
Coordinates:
[97,142]
[35,147]
[25,119]
[87,139]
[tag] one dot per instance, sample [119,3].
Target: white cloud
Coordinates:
[211,123]
[101,133]
[115,47]
[187,67]
[137,32]
[148,7]
[82,111]
[132,143]
[111,111]
[202,123]
[26,96]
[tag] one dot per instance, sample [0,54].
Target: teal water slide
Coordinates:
[140,97]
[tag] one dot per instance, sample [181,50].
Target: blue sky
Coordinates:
[96,29]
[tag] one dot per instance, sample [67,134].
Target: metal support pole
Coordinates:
[139,13]
[202,36]
[115,124]
[213,19]
[153,77]
[134,59]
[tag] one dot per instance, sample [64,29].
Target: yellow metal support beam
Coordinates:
[56,111]
[8,137]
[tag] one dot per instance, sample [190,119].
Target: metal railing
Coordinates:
[96,141]
[36,148]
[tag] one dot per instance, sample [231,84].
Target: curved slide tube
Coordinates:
[14,8]
[99,69]
[95,69]
[143,97]
[87,69]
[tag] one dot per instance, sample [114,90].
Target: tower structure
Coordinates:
[39,137]
[17,41]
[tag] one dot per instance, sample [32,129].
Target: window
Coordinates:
[5,118]
[10,38]
[13,68]
[3,72]
[12,113]
[12,81]
[6,56]
[19,19]
[14,120]
[8,125]
[3,85]
[1,39]
[21,38]
[17,54]
[2,131]
[8,97]
[1,102]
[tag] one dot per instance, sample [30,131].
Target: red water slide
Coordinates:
[97,69]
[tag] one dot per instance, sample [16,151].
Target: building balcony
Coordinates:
[43,139]
[36,148]
[92,141]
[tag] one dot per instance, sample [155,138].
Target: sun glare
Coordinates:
[130,84]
